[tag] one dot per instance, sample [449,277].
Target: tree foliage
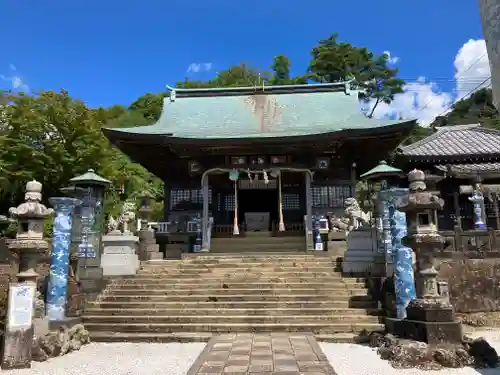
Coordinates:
[476,109]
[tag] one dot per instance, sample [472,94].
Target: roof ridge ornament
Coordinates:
[172,94]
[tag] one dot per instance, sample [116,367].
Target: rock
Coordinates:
[79,333]
[405,354]
[50,344]
[484,354]
[64,338]
[375,340]
[59,343]
[38,354]
[464,358]
[446,358]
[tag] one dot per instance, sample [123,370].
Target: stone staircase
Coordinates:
[258,240]
[199,296]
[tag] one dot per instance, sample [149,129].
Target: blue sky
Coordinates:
[106,52]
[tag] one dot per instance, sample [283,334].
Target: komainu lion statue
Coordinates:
[127,214]
[357,218]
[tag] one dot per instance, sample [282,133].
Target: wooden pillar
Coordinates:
[495,208]
[204,227]
[167,188]
[456,206]
[353,180]
[308,224]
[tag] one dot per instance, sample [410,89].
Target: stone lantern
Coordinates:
[86,237]
[430,318]
[421,214]
[29,245]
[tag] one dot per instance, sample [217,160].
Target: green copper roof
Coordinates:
[259,112]
[381,169]
[89,178]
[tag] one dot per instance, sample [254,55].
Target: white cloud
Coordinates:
[199,67]
[391,59]
[15,80]
[423,98]
[472,67]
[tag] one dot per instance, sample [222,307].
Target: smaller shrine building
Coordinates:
[457,158]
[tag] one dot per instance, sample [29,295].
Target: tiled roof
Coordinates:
[259,112]
[456,140]
[473,168]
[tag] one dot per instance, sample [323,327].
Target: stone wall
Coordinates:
[473,280]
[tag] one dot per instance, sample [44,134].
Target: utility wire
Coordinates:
[466,95]
[456,78]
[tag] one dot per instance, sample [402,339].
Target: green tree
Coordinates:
[281,72]
[379,83]
[334,61]
[478,108]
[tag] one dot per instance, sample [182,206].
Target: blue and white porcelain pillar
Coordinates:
[59,264]
[383,208]
[478,201]
[404,279]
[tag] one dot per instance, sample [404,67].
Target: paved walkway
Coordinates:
[263,354]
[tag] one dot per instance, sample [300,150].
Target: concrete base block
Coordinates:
[120,264]
[120,255]
[362,254]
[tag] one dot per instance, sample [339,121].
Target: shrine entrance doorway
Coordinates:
[258,207]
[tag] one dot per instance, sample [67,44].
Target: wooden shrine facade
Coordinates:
[259,189]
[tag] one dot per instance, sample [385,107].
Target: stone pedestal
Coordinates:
[148,248]
[91,281]
[430,321]
[120,255]
[18,335]
[362,256]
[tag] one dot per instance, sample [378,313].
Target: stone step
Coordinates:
[204,265]
[243,250]
[316,328]
[201,311]
[230,298]
[240,274]
[229,319]
[269,269]
[207,280]
[325,292]
[132,283]
[297,304]
[256,240]
[258,256]
[184,337]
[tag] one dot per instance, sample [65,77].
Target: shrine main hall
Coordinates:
[263,158]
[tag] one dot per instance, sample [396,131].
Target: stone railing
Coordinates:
[474,243]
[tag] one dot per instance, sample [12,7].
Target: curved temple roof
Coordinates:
[455,140]
[258,112]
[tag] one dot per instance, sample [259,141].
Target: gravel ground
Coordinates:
[350,359]
[120,359]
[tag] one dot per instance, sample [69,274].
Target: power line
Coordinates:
[466,95]
[456,78]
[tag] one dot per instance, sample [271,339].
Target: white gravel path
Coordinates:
[120,359]
[350,359]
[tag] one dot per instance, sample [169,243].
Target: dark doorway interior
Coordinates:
[258,200]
